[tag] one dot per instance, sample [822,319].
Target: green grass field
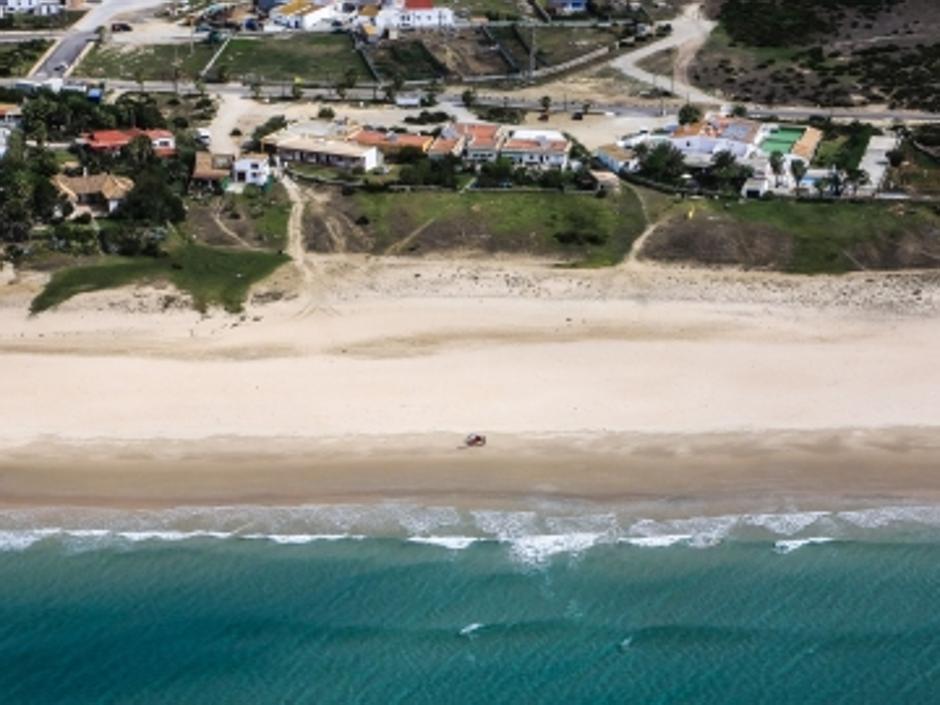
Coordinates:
[23,22]
[305,57]
[538,223]
[152,63]
[212,276]
[492,8]
[17,58]
[269,212]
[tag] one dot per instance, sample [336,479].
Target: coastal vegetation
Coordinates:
[580,229]
[835,53]
[803,237]
[211,276]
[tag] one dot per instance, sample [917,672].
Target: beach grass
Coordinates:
[825,234]
[211,276]
[269,212]
[535,223]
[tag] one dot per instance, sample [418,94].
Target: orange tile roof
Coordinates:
[480,135]
[104,140]
[392,141]
[520,145]
[446,145]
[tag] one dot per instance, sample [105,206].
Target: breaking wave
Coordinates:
[530,536]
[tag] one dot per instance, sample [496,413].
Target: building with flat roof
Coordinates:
[541,149]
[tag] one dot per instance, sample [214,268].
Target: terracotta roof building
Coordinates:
[392,142]
[163,141]
[99,193]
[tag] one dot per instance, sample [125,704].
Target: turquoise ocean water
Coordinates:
[401,604]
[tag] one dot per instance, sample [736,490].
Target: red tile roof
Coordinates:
[109,140]
[419,4]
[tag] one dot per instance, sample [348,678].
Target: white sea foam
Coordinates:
[454,543]
[136,536]
[538,549]
[470,629]
[299,539]
[21,540]
[784,524]
[789,545]
[663,541]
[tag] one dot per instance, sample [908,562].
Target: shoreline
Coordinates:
[662,474]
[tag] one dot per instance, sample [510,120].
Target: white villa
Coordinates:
[251,168]
[413,14]
[751,142]
[539,149]
[42,8]
[374,18]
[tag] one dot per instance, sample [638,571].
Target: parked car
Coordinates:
[121,27]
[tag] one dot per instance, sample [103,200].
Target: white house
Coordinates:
[413,14]
[342,154]
[251,168]
[42,8]
[540,149]
[306,15]
[616,158]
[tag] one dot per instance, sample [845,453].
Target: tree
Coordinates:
[296,91]
[689,113]
[256,89]
[152,199]
[739,111]
[798,170]
[726,174]
[546,102]
[350,78]
[822,185]
[856,178]
[340,88]
[432,91]
[663,163]
[177,73]
[895,157]
[139,153]
[776,166]
[469,97]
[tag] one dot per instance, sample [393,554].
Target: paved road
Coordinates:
[453,98]
[64,54]
[73,40]
[690,27]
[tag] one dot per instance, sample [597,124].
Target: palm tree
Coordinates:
[546,102]
[798,170]
[776,166]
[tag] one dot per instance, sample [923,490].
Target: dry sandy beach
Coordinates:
[632,383]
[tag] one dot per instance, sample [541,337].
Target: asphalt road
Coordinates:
[65,52]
